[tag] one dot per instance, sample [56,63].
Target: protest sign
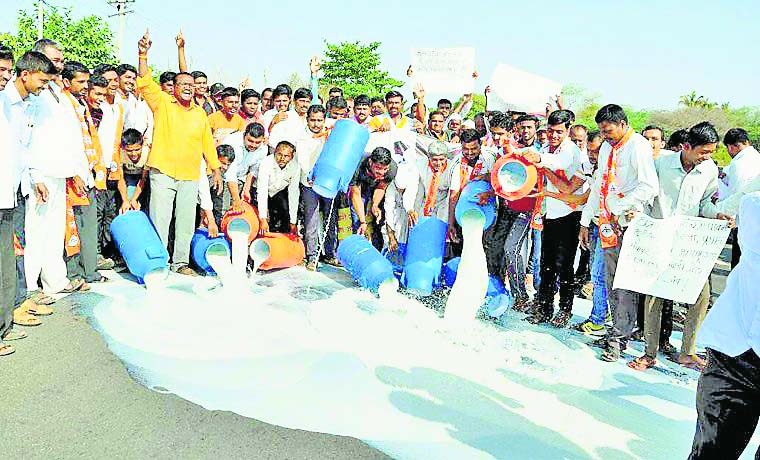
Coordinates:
[518,90]
[444,70]
[669,258]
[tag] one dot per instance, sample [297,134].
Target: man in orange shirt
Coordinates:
[227,120]
[181,138]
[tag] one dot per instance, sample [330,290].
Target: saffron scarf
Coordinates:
[432,192]
[609,238]
[93,152]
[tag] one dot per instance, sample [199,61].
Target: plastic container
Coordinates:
[513,177]
[365,263]
[424,255]
[396,258]
[199,246]
[249,218]
[139,244]
[450,271]
[468,199]
[280,249]
[339,159]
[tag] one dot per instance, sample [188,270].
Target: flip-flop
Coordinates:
[6,350]
[642,363]
[25,319]
[84,287]
[73,286]
[35,309]
[15,335]
[694,366]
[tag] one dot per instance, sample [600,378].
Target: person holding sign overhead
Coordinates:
[627,181]
[687,182]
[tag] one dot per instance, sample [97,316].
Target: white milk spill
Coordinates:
[307,350]
[259,254]
[471,284]
[238,231]
[218,256]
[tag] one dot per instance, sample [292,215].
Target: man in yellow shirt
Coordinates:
[227,121]
[181,138]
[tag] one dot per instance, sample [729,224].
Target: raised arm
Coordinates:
[142,54]
[419,113]
[181,52]
[314,66]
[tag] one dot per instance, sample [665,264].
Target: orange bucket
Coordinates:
[250,216]
[513,177]
[282,250]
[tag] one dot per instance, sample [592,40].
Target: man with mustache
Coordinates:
[181,138]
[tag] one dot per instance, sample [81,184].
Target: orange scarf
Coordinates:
[609,238]
[464,176]
[432,192]
[93,151]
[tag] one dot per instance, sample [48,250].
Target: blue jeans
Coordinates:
[534,259]
[599,311]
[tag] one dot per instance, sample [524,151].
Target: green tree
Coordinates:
[88,40]
[355,67]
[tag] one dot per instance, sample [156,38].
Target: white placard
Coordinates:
[444,70]
[669,258]
[518,90]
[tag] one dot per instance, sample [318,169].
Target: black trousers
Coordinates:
[728,406]
[736,252]
[279,215]
[558,245]
[107,211]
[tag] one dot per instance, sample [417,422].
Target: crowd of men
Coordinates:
[83,145]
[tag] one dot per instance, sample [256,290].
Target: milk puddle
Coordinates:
[307,350]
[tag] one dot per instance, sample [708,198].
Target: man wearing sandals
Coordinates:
[626,181]
[687,181]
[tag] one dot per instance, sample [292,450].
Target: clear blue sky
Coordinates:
[643,53]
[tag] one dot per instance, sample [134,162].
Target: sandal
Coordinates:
[6,350]
[642,363]
[22,318]
[73,286]
[692,364]
[15,335]
[35,309]
[611,354]
[41,298]
[561,319]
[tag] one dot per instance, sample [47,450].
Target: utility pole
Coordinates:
[40,18]
[121,11]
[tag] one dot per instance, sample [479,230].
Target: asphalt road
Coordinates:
[64,395]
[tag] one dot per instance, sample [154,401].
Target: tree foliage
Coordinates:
[88,40]
[355,67]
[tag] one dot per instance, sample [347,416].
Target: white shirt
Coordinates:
[204,189]
[684,194]
[635,179]
[461,169]
[138,116]
[245,161]
[308,149]
[56,147]
[744,167]
[107,132]
[733,324]
[568,158]
[417,192]
[15,134]
[272,180]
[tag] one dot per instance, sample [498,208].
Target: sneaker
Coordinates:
[587,291]
[312,266]
[589,328]
[186,270]
[105,264]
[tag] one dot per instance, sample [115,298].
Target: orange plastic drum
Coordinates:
[250,215]
[283,250]
[513,177]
